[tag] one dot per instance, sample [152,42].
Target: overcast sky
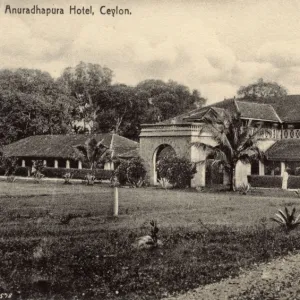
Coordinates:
[214,46]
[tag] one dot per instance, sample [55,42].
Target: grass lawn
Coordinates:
[207,236]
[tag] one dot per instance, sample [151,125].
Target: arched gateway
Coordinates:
[160,152]
[157,140]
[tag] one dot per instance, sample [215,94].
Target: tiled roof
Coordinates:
[206,110]
[129,154]
[287,108]
[282,110]
[284,150]
[258,111]
[62,146]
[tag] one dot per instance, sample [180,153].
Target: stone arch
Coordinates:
[161,151]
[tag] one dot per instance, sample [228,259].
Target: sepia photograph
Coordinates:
[150,150]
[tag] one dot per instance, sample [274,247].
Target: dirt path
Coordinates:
[278,279]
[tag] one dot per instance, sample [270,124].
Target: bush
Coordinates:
[266,181]
[121,173]
[131,171]
[77,173]
[9,164]
[178,171]
[294,182]
[20,171]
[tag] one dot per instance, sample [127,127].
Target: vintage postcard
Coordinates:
[149,149]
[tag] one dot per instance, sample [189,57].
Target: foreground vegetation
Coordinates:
[206,237]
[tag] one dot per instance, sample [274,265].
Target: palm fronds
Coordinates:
[233,141]
[286,219]
[92,151]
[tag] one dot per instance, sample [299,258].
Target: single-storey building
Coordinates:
[279,119]
[58,151]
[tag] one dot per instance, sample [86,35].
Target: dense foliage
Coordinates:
[262,89]
[31,103]
[178,171]
[131,171]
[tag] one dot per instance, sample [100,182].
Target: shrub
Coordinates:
[20,171]
[244,189]
[177,170]
[67,177]
[136,172]
[131,171]
[266,181]
[294,182]
[77,173]
[37,169]
[121,173]
[9,164]
[297,171]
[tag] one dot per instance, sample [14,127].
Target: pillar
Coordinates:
[79,164]
[56,163]
[45,163]
[198,155]
[261,168]
[67,164]
[23,163]
[282,168]
[199,177]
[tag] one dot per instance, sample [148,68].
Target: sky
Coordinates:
[213,46]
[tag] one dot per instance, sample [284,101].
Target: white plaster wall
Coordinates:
[265,145]
[108,166]
[241,173]
[198,155]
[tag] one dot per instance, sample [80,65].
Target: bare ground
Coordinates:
[278,279]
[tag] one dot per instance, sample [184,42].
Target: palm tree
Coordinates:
[92,151]
[234,141]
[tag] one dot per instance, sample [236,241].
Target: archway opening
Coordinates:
[162,151]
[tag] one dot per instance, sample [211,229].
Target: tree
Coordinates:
[116,103]
[83,82]
[32,103]
[165,100]
[262,89]
[234,140]
[29,81]
[92,151]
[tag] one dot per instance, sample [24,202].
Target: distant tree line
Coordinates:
[32,102]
